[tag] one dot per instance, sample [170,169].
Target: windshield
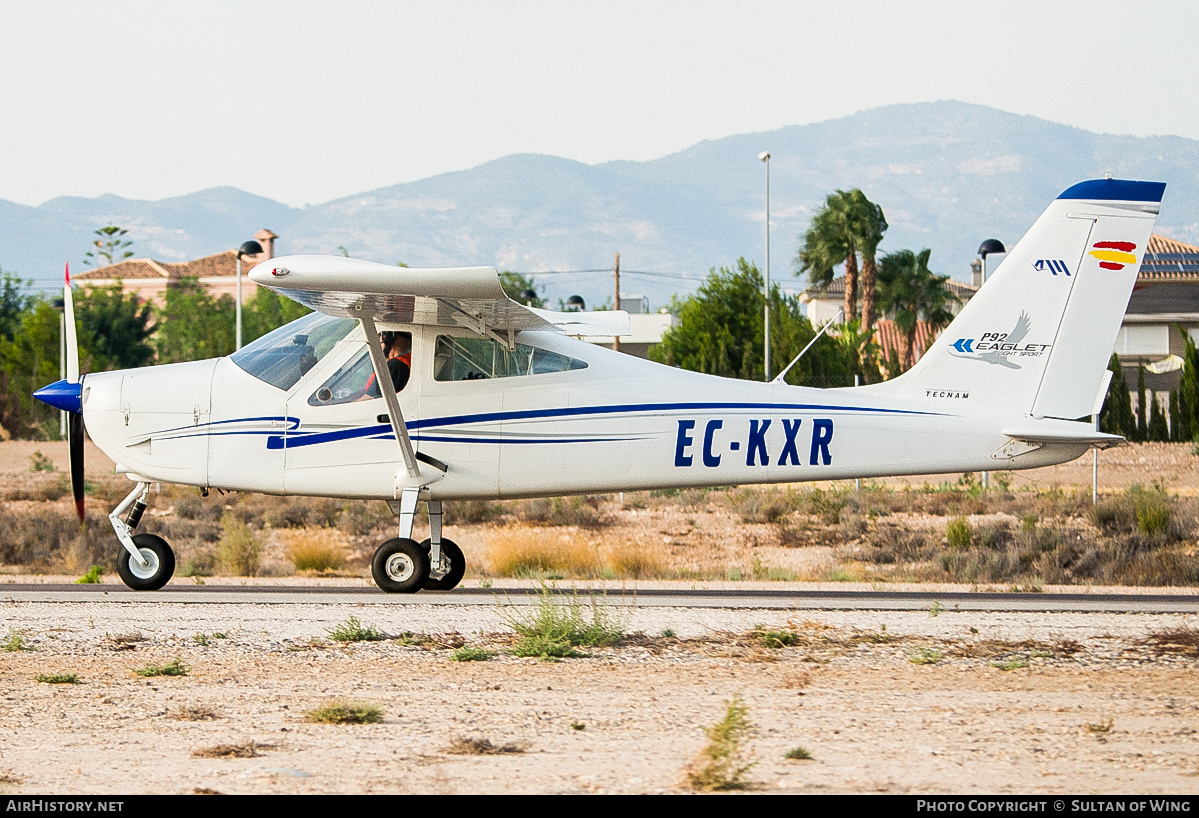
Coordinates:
[282,357]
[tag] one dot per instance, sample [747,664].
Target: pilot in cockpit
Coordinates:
[397,347]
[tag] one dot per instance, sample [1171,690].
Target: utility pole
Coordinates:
[616,275]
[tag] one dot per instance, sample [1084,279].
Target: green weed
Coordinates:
[559,624]
[923,655]
[57,678]
[15,641]
[798,754]
[724,762]
[353,631]
[175,667]
[469,654]
[346,712]
[92,577]
[774,639]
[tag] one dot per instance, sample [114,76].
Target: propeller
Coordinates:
[67,395]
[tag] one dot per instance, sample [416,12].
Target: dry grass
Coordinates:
[515,551]
[630,559]
[195,712]
[247,749]
[1180,641]
[320,549]
[474,746]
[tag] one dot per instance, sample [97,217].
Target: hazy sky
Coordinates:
[308,101]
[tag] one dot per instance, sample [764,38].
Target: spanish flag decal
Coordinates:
[1113,255]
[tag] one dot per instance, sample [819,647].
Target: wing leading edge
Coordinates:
[469,297]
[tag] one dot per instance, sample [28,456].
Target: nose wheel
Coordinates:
[146,562]
[159,562]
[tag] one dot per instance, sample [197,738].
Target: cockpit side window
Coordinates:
[284,356]
[356,380]
[469,359]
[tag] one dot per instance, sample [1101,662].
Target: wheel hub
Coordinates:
[151,564]
[399,567]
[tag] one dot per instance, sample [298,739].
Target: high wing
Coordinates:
[469,297]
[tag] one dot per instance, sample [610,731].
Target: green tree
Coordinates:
[1159,429]
[720,331]
[1188,391]
[14,300]
[1116,417]
[29,361]
[517,287]
[1142,428]
[192,325]
[114,329]
[110,246]
[912,292]
[267,311]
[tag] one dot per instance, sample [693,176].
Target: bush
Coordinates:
[316,550]
[959,533]
[240,551]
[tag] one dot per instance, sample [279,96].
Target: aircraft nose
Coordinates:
[62,395]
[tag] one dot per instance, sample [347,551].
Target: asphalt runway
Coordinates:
[748,599]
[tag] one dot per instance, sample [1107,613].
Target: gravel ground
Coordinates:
[1088,706]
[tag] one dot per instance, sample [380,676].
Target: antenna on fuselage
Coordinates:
[827,324]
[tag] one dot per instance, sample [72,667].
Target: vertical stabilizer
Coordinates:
[1037,337]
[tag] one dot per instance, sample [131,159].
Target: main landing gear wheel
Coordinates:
[400,566]
[160,561]
[453,554]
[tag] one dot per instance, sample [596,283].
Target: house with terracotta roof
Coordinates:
[149,278]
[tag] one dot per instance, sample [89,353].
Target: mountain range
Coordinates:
[947,175]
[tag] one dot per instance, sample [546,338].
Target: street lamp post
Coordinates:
[765,157]
[250,248]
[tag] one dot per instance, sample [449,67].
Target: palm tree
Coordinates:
[911,292]
[830,240]
[869,225]
[847,224]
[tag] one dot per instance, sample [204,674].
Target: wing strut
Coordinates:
[387,388]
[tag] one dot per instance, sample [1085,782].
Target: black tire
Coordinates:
[162,563]
[400,566]
[453,553]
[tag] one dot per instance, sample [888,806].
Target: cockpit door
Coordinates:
[342,442]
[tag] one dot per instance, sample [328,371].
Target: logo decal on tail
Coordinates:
[1053,265]
[999,347]
[1113,255]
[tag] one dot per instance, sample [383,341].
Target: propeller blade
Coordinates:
[72,341]
[75,442]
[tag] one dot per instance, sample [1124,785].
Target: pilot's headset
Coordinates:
[387,338]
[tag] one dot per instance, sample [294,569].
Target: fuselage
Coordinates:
[555,416]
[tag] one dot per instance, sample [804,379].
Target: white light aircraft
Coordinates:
[501,403]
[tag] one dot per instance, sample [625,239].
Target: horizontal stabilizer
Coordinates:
[1082,434]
